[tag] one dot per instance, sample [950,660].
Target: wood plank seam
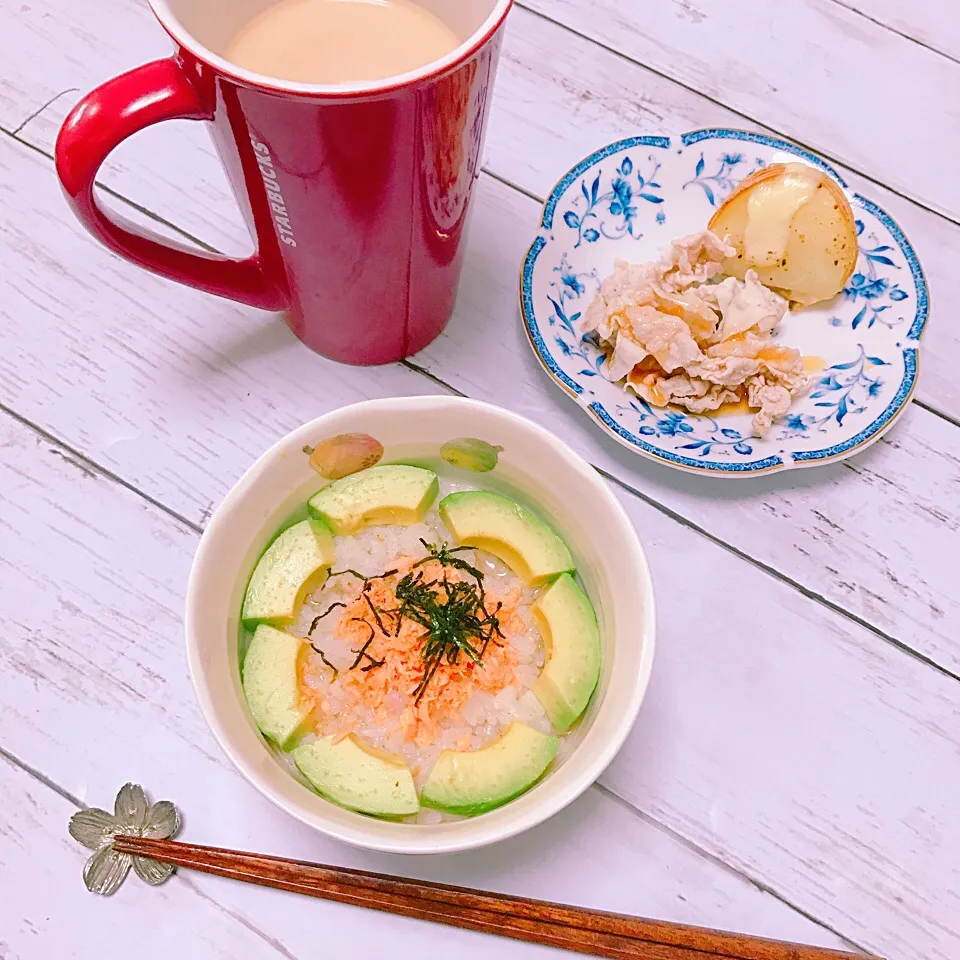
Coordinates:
[61,791]
[83,463]
[737,871]
[513,186]
[36,113]
[432,377]
[942,414]
[191,884]
[731,109]
[425,372]
[187,881]
[42,778]
[895,31]
[104,187]
[778,575]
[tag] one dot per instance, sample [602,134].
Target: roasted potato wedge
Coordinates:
[793,224]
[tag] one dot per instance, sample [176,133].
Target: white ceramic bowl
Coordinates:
[534,466]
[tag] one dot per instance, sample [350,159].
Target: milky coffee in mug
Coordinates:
[340,41]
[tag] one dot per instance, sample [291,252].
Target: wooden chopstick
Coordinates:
[576,929]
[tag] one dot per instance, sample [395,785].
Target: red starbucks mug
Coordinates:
[356,194]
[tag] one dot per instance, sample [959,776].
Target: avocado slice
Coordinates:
[296,561]
[568,625]
[395,493]
[271,685]
[474,781]
[508,530]
[358,776]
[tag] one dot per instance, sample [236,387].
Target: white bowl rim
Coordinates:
[488,828]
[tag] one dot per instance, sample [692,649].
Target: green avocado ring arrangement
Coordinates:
[351,772]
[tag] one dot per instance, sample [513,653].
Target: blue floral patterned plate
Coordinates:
[627,202]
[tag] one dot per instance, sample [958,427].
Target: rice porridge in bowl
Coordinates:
[416,653]
[406,707]
[427,646]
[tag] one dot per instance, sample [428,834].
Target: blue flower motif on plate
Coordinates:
[841,390]
[570,286]
[879,293]
[700,433]
[613,213]
[717,186]
[613,206]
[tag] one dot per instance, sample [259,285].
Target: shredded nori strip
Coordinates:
[341,573]
[316,620]
[323,657]
[359,576]
[362,652]
[495,629]
[444,555]
[376,614]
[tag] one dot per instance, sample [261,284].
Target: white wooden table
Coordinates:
[796,768]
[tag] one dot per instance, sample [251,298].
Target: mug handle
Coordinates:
[101,121]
